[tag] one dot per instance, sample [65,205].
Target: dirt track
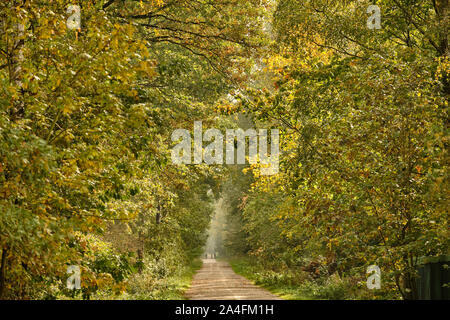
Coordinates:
[217,281]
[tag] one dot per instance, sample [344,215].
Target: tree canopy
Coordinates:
[86,117]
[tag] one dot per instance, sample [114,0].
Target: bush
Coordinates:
[157,282]
[331,289]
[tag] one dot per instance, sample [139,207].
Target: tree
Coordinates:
[85,122]
[366,132]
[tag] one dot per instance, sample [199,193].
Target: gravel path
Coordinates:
[217,281]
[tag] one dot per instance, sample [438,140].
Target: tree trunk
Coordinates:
[442,8]
[15,71]
[3,272]
[140,260]
[410,287]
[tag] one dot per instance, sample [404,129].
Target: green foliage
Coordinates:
[364,118]
[154,284]
[117,265]
[86,118]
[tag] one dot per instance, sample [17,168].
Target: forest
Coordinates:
[91,92]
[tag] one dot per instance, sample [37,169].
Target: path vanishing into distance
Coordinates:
[217,281]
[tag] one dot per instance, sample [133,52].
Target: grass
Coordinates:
[180,284]
[186,277]
[147,287]
[245,267]
[298,285]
